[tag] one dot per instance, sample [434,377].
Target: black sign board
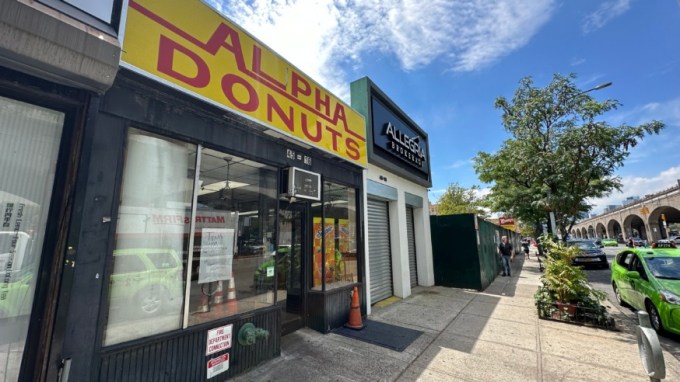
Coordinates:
[395,137]
[664,244]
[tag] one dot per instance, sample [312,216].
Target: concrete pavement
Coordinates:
[494,335]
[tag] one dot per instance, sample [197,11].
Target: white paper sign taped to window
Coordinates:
[217,254]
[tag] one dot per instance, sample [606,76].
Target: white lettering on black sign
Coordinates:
[407,147]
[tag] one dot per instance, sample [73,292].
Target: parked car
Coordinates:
[148,280]
[610,243]
[636,242]
[675,239]
[589,254]
[649,279]
[17,266]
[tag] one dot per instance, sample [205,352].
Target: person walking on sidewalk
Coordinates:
[507,254]
[525,248]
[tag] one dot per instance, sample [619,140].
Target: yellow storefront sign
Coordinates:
[188,45]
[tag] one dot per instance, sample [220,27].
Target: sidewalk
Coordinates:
[493,335]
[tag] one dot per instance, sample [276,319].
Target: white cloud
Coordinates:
[460,163]
[665,111]
[668,140]
[434,195]
[576,61]
[639,186]
[322,36]
[482,192]
[604,14]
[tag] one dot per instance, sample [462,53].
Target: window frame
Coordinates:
[111,28]
[324,199]
[186,299]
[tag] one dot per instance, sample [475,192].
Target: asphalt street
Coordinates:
[601,279]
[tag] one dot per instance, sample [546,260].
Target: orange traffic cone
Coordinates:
[205,301]
[218,296]
[354,321]
[232,306]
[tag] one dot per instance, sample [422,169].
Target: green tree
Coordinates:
[560,152]
[460,200]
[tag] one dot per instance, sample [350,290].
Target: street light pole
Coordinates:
[598,87]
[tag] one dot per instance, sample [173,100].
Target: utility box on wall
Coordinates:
[464,250]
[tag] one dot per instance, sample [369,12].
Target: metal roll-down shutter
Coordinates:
[411,237]
[379,255]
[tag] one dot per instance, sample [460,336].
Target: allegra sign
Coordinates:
[189,45]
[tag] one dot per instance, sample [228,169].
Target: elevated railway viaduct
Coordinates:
[647,218]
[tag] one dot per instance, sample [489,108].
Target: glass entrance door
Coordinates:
[290,264]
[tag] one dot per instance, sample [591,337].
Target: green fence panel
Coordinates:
[464,250]
[454,251]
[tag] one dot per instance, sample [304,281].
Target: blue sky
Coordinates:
[446,62]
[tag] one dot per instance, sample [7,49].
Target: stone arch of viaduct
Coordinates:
[643,219]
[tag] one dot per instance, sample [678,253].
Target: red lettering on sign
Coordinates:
[335,135]
[228,82]
[352,150]
[287,119]
[305,129]
[257,60]
[166,56]
[296,88]
[220,38]
[315,116]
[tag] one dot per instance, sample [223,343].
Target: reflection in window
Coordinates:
[146,292]
[156,254]
[29,145]
[334,234]
[233,238]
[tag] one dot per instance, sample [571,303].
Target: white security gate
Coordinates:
[411,237]
[379,254]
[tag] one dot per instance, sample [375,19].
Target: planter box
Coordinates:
[575,314]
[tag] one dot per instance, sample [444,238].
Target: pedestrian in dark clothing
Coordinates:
[525,248]
[507,254]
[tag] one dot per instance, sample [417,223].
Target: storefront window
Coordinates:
[29,146]
[335,241]
[146,290]
[234,238]
[232,205]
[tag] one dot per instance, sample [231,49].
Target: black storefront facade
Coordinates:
[276,285]
[182,237]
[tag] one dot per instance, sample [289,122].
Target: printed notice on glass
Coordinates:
[217,253]
[218,365]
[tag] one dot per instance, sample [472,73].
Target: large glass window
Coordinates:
[153,224]
[29,146]
[234,237]
[190,245]
[335,240]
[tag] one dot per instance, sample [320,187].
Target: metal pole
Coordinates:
[553,227]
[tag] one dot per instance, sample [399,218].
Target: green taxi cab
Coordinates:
[648,279]
[609,243]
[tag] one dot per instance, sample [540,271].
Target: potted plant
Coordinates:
[564,286]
